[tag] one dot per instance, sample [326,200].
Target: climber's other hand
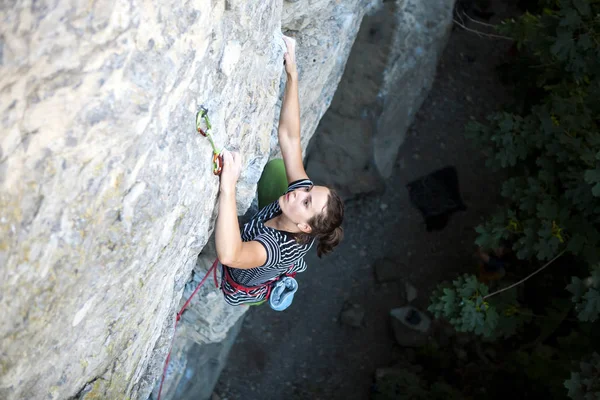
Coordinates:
[232,167]
[290,56]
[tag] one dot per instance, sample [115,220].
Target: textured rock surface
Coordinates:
[194,368]
[389,74]
[410,331]
[106,190]
[325,31]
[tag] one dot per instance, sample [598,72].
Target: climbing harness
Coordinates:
[203,127]
[283,299]
[249,289]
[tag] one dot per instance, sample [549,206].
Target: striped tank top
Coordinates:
[284,254]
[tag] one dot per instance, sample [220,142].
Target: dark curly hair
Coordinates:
[326,226]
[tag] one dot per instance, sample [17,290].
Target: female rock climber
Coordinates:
[273,243]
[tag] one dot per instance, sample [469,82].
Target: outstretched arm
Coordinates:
[231,251]
[289,118]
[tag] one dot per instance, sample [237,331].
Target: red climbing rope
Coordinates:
[212,269]
[235,285]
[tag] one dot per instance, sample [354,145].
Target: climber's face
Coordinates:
[302,204]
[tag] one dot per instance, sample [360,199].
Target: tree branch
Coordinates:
[476,21]
[481,33]
[527,277]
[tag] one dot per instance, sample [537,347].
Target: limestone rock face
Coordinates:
[388,75]
[106,190]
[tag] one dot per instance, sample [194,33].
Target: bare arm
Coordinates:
[231,251]
[289,119]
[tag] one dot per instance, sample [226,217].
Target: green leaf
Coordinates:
[586,368]
[595,274]
[585,383]
[585,41]
[506,124]
[570,18]
[596,190]
[583,7]
[473,320]
[547,245]
[590,306]
[547,210]
[449,301]
[577,288]
[469,287]
[563,45]
[573,385]
[576,243]
[592,175]
[492,319]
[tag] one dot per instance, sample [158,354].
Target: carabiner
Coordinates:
[202,122]
[203,127]
[217,164]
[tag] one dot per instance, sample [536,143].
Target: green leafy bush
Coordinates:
[552,149]
[548,142]
[585,383]
[465,306]
[586,295]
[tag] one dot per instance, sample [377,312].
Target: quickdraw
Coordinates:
[203,127]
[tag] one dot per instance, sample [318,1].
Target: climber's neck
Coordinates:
[282,223]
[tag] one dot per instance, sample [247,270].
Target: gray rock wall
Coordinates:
[106,190]
[389,74]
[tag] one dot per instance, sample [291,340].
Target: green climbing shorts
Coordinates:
[273,183]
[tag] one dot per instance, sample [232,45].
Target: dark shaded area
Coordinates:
[437,197]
